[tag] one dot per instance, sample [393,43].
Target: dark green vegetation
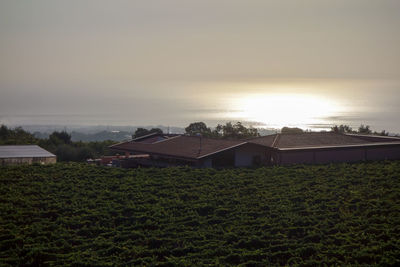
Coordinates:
[227,131]
[363,129]
[58,143]
[239,131]
[81,215]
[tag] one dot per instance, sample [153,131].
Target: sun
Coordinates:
[280,110]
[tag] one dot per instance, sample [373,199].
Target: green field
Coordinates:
[80,215]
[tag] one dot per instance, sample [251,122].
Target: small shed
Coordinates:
[25,154]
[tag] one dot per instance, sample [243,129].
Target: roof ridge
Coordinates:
[220,150]
[144,136]
[166,139]
[371,135]
[257,137]
[341,146]
[215,138]
[277,137]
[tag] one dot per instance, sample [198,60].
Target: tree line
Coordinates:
[58,143]
[239,131]
[228,131]
[363,129]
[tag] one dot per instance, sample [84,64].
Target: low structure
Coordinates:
[190,150]
[277,149]
[25,154]
[327,147]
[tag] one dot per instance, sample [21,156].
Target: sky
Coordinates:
[173,62]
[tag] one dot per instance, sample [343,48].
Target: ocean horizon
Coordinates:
[377,122]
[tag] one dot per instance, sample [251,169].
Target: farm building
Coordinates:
[327,147]
[188,150]
[25,154]
[277,149]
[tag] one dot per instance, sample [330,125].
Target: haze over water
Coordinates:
[308,104]
[269,64]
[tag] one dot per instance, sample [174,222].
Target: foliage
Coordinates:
[198,128]
[227,131]
[83,215]
[288,130]
[342,129]
[58,143]
[16,136]
[363,129]
[59,138]
[235,131]
[382,133]
[76,151]
[142,132]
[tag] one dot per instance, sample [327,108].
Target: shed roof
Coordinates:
[320,139]
[194,148]
[189,147]
[153,138]
[24,151]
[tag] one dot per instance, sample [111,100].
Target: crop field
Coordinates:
[81,215]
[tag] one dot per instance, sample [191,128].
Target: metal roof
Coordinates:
[372,144]
[195,148]
[25,151]
[318,140]
[153,137]
[189,147]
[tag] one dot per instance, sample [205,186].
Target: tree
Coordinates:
[382,133]
[142,132]
[364,129]
[198,128]
[235,131]
[3,131]
[342,129]
[16,136]
[288,130]
[60,138]
[66,152]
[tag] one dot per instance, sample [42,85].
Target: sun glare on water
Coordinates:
[278,110]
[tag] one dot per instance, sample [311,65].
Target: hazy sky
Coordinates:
[156,59]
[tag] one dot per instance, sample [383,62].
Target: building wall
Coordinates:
[224,159]
[207,163]
[295,157]
[340,155]
[248,155]
[382,153]
[18,161]
[337,155]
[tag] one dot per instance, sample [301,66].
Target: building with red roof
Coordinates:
[277,149]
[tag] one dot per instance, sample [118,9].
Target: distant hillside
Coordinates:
[82,215]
